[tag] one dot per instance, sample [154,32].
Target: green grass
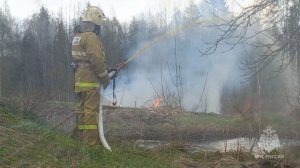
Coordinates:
[24,143]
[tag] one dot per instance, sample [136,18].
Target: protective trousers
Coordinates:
[87,118]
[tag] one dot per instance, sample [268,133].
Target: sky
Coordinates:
[123,10]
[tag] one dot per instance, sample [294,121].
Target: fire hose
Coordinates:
[112,75]
[100,126]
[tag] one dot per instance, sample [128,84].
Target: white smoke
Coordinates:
[139,85]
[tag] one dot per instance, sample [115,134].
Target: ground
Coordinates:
[25,142]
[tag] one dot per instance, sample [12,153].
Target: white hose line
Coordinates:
[100,125]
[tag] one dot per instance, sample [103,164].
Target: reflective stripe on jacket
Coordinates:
[79,86]
[87,127]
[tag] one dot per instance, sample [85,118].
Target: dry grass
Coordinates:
[24,143]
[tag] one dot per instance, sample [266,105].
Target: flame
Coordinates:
[156,103]
[248,107]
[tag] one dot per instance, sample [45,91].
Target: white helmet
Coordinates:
[93,14]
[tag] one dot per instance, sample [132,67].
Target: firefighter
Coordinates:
[90,75]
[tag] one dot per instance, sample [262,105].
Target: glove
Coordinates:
[112,73]
[104,82]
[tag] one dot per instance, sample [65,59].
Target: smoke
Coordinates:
[157,66]
[159,62]
[221,69]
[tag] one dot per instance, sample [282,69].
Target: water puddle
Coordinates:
[237,144]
